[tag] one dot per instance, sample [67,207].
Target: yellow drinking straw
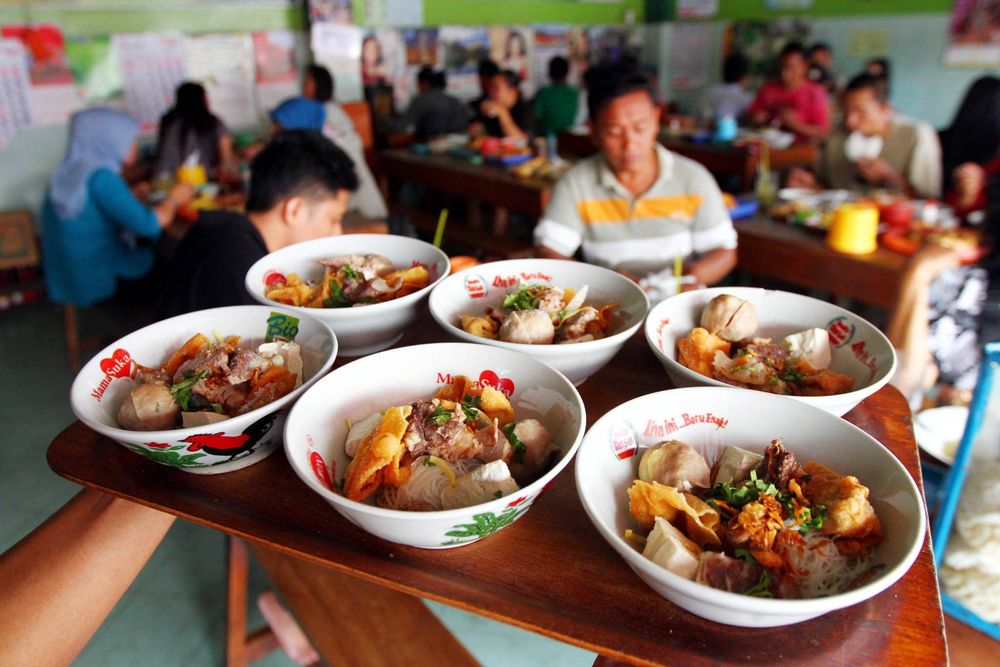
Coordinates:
[439,232]
[678,271]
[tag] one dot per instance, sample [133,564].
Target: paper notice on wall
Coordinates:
[394,12]
[689,63]
[224,65]
[697,9]
[550,41]
[15,112]
[274,64]
[95,68]
[973,34]
[338,48]
[152,66]
[53,95]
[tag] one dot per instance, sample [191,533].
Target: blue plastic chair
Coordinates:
[951,489]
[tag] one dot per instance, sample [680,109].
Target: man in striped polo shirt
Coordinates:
[636,207]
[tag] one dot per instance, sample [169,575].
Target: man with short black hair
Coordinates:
[792,101]
[876,148]
[556,104]
[434,112]
[636,207]
[299,186]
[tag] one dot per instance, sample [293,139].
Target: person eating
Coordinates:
[91,221]
[504,113]
[793,102]
[876,148]
[299,187]
[636,207]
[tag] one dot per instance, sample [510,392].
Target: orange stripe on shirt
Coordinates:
[598,211]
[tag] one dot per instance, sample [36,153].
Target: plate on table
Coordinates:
[965,241]
[939,430]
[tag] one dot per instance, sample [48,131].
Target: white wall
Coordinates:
[921,86]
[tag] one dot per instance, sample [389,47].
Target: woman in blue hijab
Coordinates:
[90,218]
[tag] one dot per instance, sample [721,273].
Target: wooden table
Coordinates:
[720,159]
[801,257]
[476,183]
[551,572]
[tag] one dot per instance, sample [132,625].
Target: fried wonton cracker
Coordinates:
[189,350]
[496,406]
[849,514]
[414,278]
[697,350]
[377,459]
[698,520]
[456,391]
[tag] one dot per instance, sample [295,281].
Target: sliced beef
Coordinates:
[778,466]
[727,574]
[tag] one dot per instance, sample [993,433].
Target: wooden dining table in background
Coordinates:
[478,184]
[551,572]
[727,159]
[799,256]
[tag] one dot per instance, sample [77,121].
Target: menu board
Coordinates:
[152,66]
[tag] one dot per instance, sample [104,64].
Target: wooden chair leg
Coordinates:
[242,648]
[72,336]
[236,603]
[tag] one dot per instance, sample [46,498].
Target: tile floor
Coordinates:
[163,620]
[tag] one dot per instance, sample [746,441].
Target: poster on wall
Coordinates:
[973,34]
[332,11]
[53,94]
[761,42]
[394,12]
[384,64]
[15,112]
[464,47]
[224,65]
[94,68]
[275,72]
[511,48]
[152,66]
[339,49]
[688,64]
[614,43]
[697,9]
[550,41]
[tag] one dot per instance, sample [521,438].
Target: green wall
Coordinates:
[512,12]
[758,9]
[107,17]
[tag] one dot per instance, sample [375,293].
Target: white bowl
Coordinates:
[103,384]
[363,329]
[608,463]
[468,292]
[317,430]
[860,350]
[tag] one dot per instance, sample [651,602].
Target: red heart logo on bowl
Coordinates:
[118,365]
[491,379]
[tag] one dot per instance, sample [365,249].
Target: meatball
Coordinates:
[533,327]
[729,317]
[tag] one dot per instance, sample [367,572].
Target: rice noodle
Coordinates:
[821,569]
[422,490]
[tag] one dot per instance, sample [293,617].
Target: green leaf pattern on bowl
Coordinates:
[171,456]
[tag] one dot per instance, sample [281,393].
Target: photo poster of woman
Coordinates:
[463,47]
[511,48]
[383,64]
